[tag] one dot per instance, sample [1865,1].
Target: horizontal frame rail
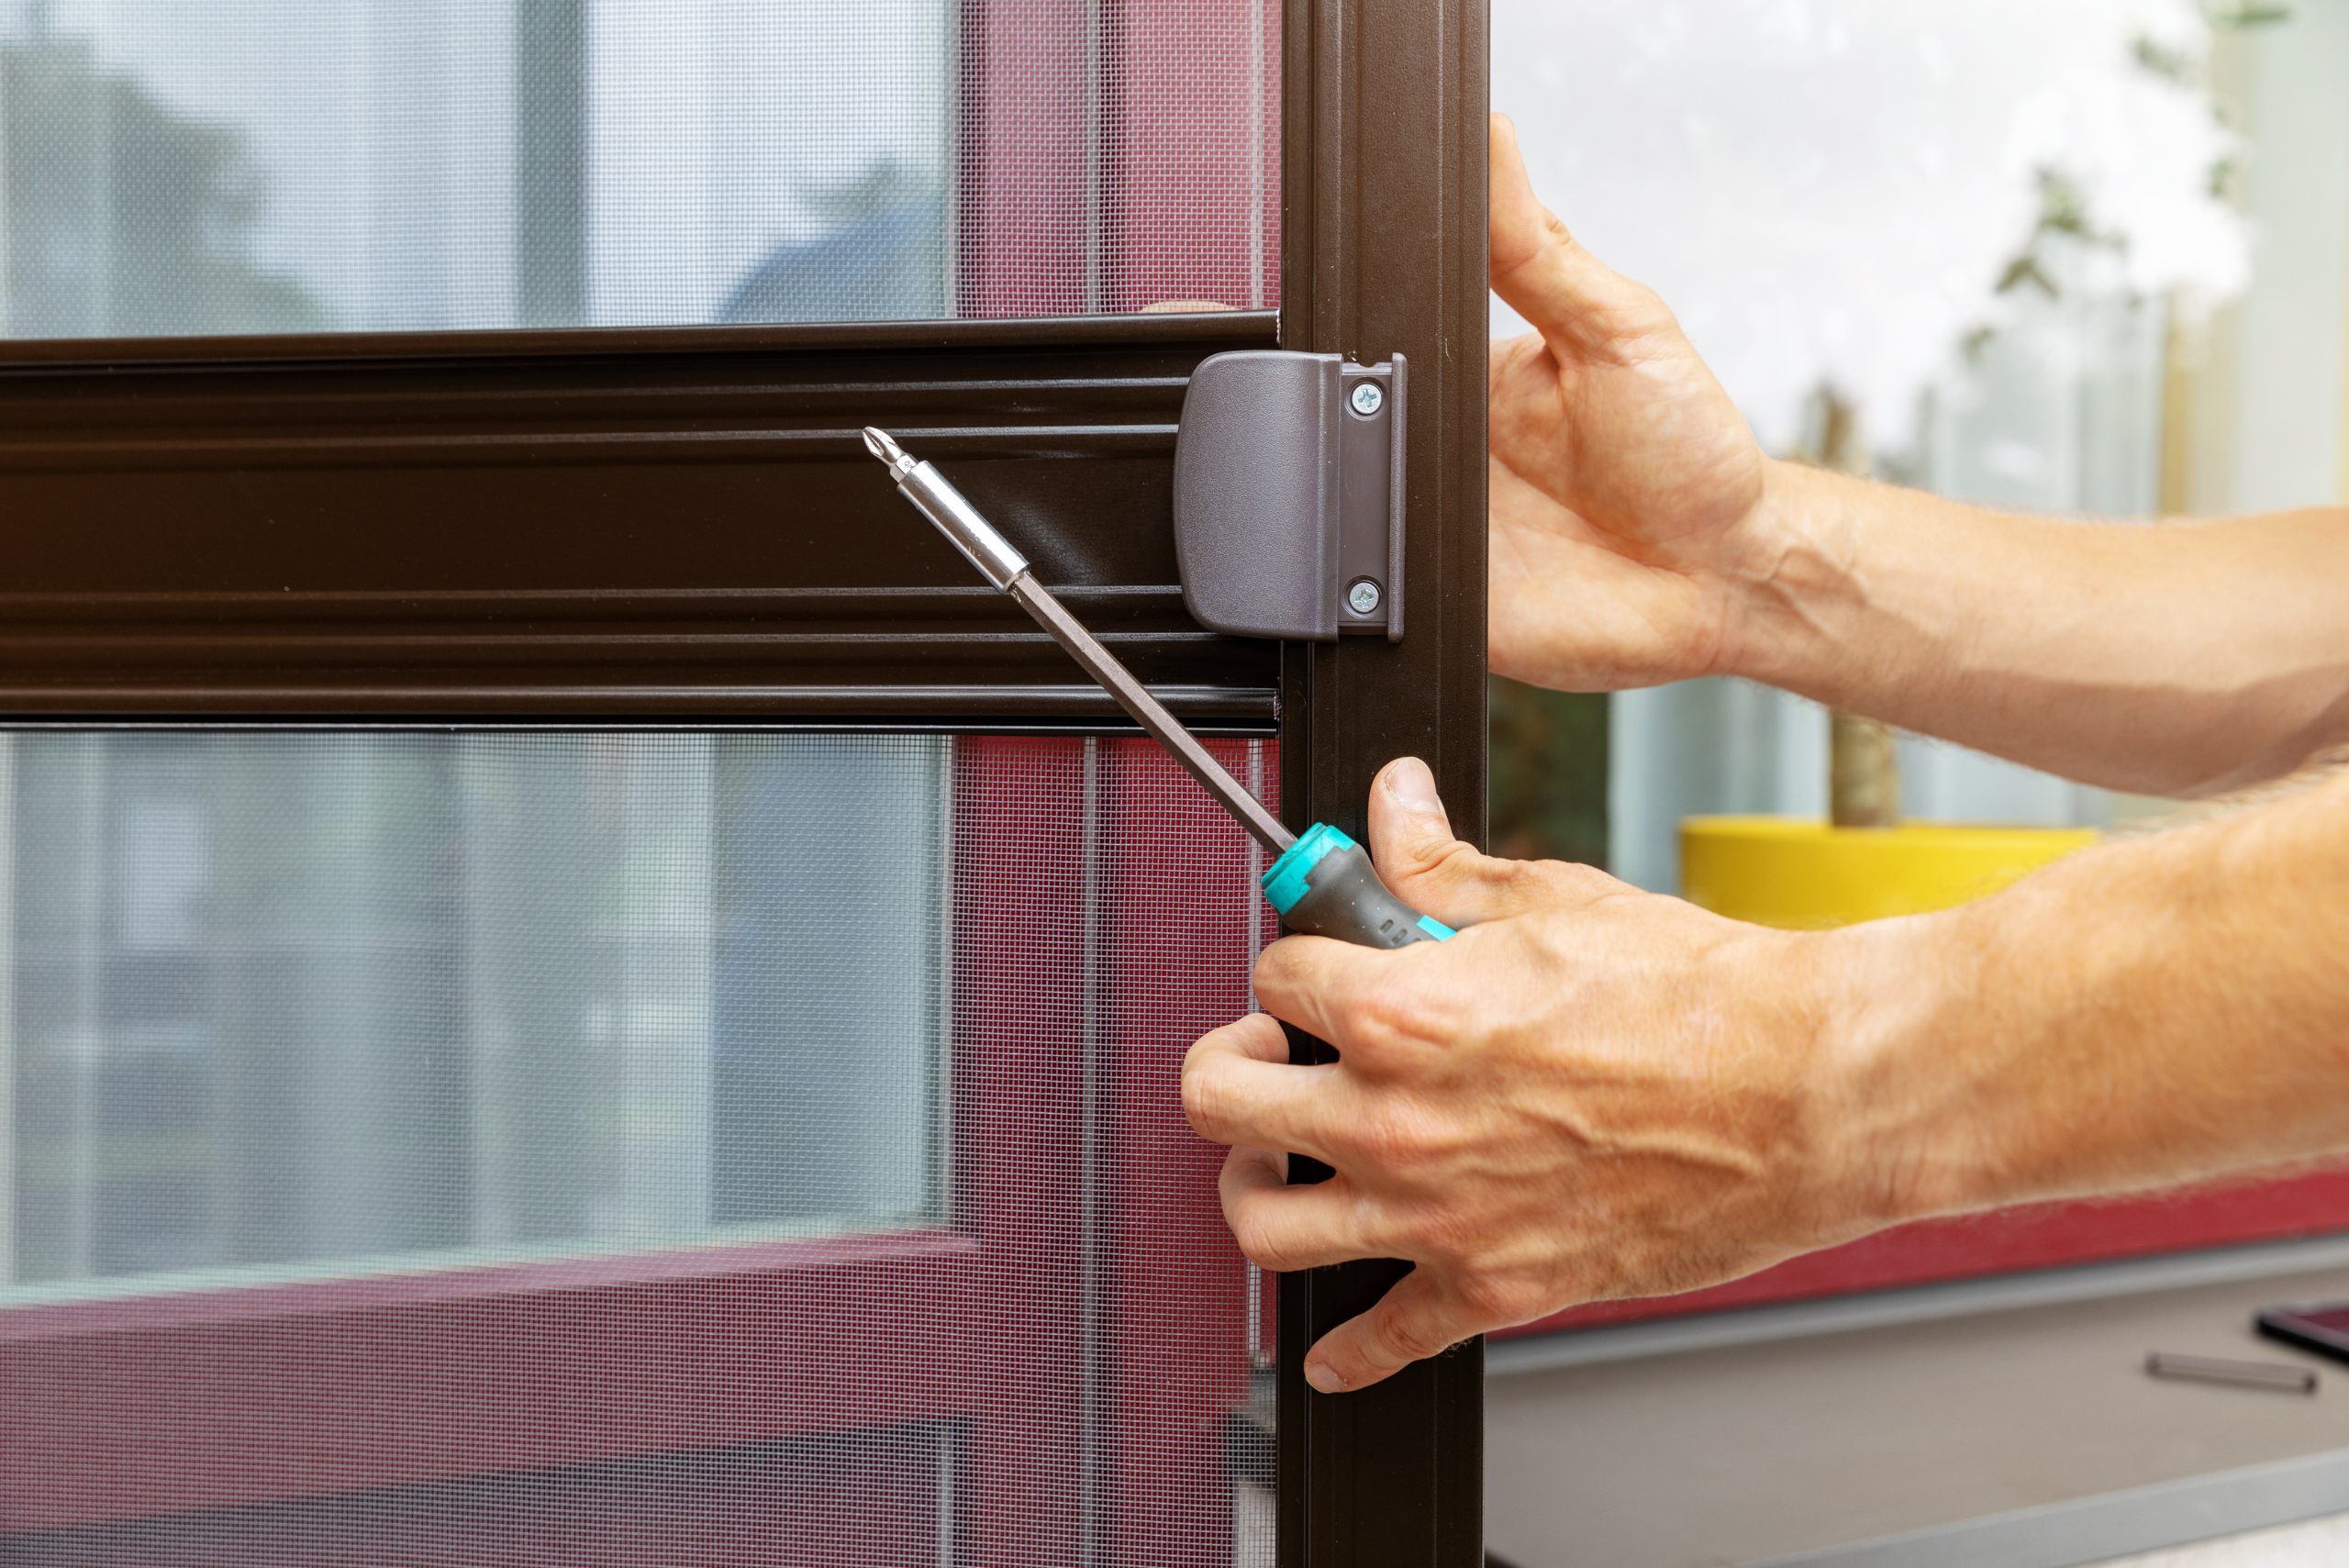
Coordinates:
[634,525]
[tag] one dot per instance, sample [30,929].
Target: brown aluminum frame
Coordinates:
[637,525]
[1384,164]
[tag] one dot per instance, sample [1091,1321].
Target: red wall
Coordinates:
[2036,1237]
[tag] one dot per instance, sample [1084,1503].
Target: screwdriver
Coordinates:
[1322,883]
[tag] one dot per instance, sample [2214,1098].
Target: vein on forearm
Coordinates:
[2178,657]
[2154,1011]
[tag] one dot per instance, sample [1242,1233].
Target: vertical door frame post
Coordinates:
[1384,251]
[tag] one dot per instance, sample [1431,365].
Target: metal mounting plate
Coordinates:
[1288,496]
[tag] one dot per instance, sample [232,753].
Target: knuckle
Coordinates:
[1386,1137]
[1404,1143]
[1259,1244]
[1404,1004]
[1448,1235]
[1379,1007]
[1497,1299]
[1439,858]
[1569,882]
[1587,879]
[1408,1337]
[1355,1025]
[1205,1104]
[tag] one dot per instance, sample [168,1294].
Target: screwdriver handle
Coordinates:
[1326,887]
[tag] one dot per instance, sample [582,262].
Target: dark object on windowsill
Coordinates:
[2319,1326]
[2275,1375]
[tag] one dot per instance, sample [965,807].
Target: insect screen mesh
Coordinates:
[530,1147]
[278,166]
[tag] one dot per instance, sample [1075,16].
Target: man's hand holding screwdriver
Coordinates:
[1594,1092]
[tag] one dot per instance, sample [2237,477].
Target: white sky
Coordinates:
[1828,189]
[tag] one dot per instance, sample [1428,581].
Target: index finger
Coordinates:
[1316,983]
[1238,1089]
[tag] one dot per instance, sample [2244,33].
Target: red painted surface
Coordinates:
[1103,178]
[873,1500]
[1178,1356]
[1022,159]
[122,1420]
[335,1297]
[2011,1242]
[1192,160]
[1018,1032]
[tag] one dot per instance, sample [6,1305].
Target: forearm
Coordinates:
[2152,1011]
[2179,659]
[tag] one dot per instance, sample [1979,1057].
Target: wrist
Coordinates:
[1903,1133]
[1835,1076]
[1792,576]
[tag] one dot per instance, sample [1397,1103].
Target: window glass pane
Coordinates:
[277,166]
[294,1006]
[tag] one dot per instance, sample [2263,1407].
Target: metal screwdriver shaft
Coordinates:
[1005,567]
[1323,884]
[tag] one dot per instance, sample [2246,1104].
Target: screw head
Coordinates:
[1362,596]
[1367,399]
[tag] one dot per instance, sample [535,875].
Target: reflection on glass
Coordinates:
[297,1004]
[259,166]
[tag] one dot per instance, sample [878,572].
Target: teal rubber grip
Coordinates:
[1326,887]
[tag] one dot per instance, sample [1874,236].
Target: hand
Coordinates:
[1590,1091]
[1627,491]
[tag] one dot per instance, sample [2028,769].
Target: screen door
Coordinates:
[501,1146]
[571,990]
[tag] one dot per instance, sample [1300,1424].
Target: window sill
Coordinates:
[2005,1420]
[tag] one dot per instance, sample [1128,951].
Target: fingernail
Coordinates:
[1412,787]
[1324,1377]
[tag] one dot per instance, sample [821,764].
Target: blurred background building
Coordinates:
[380,165]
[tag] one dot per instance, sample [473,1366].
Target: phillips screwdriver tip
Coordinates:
[879,443]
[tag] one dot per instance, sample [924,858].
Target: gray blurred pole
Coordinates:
[7,1009]
[668,789]
[104,218]
[37,20]
[549,162]
[84,1042]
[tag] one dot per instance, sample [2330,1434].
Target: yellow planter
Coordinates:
[1801,875]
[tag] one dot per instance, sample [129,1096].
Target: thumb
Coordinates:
[1411,1322]
[1412,846]
[1577,303]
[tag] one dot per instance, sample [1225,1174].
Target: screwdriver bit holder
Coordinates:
[1288,496]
